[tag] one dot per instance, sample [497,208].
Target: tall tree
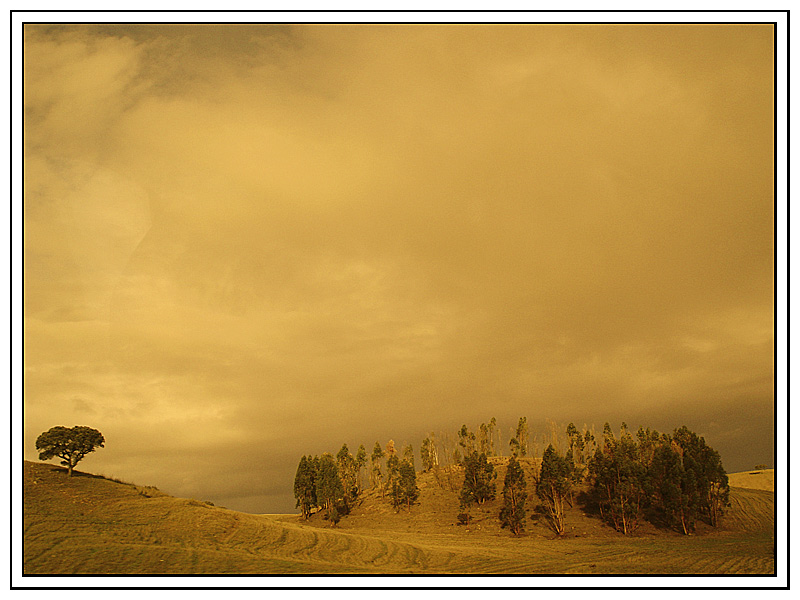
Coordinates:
[618,479]
[429,454]
[70,444]
[554,485]
[466,439]
[575,453]
[408,454]
[348,473]
[718,491]
[492,443]
[483,439]
[393,478]
[329,487]
[479,476]
[515,493]
[708,475]
[404,488]
[361,460]
[588,444]
[575,442]
[649,440]
[672,489]
[376,475]
[305,486]
[522,435]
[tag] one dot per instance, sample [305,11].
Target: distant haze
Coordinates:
[248,243]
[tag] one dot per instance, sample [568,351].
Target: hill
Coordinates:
[89,524]
[761,479]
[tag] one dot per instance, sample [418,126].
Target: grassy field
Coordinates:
[90,525]
[763,479]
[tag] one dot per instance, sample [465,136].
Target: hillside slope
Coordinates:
[88,524]
[763,479]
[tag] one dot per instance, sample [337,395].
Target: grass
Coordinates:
[89,524]
[757,479]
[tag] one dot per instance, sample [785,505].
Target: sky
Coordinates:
[247,243]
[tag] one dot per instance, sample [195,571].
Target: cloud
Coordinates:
[265,241]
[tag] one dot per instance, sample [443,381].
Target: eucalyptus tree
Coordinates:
[305,486]
[429,454]
[515,493]
[522,435]
[361,461]
[329,487]
[376,473]
[479,480]
[348,473]
[554,485]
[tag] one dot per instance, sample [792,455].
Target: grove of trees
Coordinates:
[672,480]
[333,484]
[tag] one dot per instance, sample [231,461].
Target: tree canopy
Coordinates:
[69,444]
[554,485]
[479,476]
[512,514]
[672,480]
[305,486]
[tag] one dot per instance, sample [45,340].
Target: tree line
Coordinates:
[335,484]
[671,480]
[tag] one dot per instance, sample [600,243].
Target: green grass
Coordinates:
[89,524]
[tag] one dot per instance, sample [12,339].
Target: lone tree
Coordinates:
[69,444]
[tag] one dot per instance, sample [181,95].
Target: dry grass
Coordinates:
[89,524]
[763,479]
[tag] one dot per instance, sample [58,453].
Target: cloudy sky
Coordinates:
[248,243]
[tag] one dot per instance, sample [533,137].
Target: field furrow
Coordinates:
[123,531]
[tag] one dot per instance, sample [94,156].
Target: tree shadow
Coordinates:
[75,473]
[588,505]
